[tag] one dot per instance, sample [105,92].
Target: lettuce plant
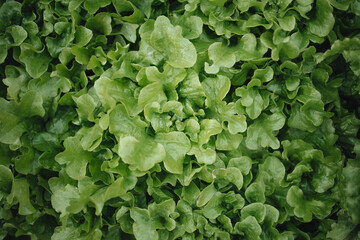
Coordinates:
[184,119]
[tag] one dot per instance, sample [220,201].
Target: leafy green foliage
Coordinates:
[186,119]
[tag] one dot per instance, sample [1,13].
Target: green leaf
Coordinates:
[323,21]
[206,194]
[350,189]
[93,5]
[221,56]
[256,210]
[168,40]
[343,229]
[205,156]
[256,20]
[250,48]
[306,208]
[162,86]
[60,122]
[47,161]
[264,75]
[209,127]
[255,192]
[120,123]
[3,53]
[261,132]
[66,232]
[26,163]
[213,208]
[125,7]
[228,175]
[308,116]
[65,33]
[86,106]
[272,214]
[6,177]
[191,88]
[10,14]
[144,6]
[186,216]
[82,55]
[90,138]
[62,195]
[18,34]
[349,48]
[325,172]
[128,30]
[292,83]
[252,100]
[142,226]
[100,23]
[116,189]
[159,116]
[249,228]
[20,191]
[287,23]
[83,36]
[45,141]
[75,158]
[216,89]
[192,26]
[243,163]
[154,119]
[12,116]
[111,92]
[140,154]
[273,172]
[75,4]
[176,145]
[160,215]
[225,141]
[152,93]
[36,61]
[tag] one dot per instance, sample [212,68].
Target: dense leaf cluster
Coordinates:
[181,119]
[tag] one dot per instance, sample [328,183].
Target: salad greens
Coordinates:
[181,119]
